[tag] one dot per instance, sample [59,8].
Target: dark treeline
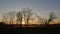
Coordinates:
[26,14]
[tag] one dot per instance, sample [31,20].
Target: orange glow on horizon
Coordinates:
[34,21]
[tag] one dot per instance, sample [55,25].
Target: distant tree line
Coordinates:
[26,14]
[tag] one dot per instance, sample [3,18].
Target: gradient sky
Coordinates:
[41,7]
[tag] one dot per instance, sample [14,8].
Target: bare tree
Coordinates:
[51,17]
[27,14]
[4,17]
[46,21]
[24,15]
[11,16]
[40,19]
[19,17]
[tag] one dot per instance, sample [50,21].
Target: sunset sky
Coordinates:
[41,7]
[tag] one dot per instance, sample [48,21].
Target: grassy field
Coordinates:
[35,29]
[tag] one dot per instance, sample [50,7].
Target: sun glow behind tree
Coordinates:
[23,17]
[27,17]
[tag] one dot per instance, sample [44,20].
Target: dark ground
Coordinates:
[55,28]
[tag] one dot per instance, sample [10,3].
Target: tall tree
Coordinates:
[19,17]
[24,15]
[46,21]
[27,14]
[11,16]
[51,17]
[4,18]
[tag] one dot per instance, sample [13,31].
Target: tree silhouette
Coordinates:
[4,18]
[27,14]
[46,21]
[51,17]
[24,15]
[11,16]
[19,17]
[39,18]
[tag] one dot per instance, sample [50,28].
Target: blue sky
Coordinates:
[41,7]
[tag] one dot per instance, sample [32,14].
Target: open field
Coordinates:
[35,29]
